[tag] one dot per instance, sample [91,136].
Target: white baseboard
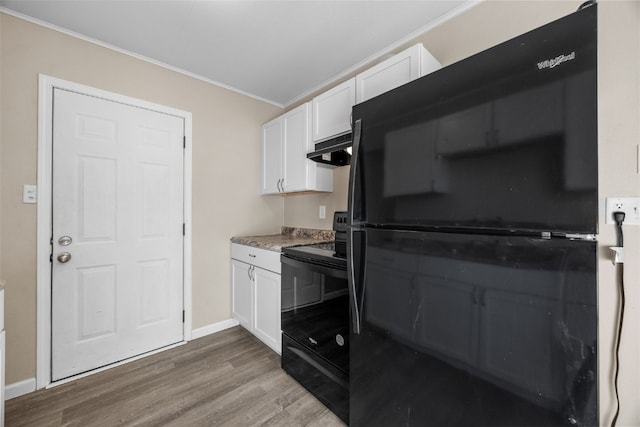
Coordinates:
[20,388]
[213,328]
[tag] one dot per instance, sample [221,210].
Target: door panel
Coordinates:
[96,302]
[154,198]
[98,195]
[118,194]
[155,291]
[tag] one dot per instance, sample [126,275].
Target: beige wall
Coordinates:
[492,22]
[226,132]
[303,210]
[230,122]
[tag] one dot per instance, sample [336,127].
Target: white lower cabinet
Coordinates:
[255,292]
[242,294]
[266,307]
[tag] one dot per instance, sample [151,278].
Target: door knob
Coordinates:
[64,257]
[64,241]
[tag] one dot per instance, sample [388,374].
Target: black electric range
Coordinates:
[315,320]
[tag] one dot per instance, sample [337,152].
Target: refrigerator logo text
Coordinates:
[554,62]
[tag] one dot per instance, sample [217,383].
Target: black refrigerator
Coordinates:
[472,239]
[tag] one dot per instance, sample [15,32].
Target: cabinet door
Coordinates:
[389,74]
[295,130]
[242,294]
[271,157]
[332,111]
[267,308]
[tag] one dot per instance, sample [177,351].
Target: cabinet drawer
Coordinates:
[263,258]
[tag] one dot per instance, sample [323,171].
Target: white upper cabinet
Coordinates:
[272,148]
[402,68]
[332,111]
[286,141]
[296,141]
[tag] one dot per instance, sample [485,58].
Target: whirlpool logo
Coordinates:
[554,62]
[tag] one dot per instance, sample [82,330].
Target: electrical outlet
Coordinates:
[629,205]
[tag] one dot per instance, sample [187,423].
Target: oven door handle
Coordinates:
[310,266]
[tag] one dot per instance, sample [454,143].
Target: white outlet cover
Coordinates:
[629,205]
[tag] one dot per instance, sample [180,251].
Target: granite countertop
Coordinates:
[289,236]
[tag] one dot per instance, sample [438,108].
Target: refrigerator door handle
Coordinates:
[357,129]
[353,296]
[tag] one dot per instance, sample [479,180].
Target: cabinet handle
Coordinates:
[249,272]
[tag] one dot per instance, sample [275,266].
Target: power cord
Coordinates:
[619,219]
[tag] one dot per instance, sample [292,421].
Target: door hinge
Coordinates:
[184,229]
[50,258]
[184,142]
[183,316]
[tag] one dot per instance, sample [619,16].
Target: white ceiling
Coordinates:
[278,51]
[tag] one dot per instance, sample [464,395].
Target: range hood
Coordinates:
[335,151]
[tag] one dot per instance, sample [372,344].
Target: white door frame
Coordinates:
[46,84]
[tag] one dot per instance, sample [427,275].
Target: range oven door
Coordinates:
[315,330]
[315,309]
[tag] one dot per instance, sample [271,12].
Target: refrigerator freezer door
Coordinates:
[475,330]
[497,141]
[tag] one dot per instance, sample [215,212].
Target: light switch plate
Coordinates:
[29,193]
[323,212]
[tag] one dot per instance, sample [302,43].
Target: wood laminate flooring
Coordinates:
[226,379]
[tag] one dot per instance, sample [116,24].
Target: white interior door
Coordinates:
[118,197]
